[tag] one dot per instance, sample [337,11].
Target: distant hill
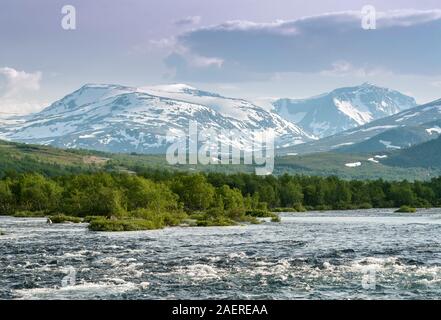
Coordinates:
[397,138]
[425,155]
[17,157]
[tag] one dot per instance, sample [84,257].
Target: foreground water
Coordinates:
[370,254]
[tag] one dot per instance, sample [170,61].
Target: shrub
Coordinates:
[259,213]
[61,218]
[406,209]
[217,222]
[103,224]
[365,206]
[284,210]
[30,214]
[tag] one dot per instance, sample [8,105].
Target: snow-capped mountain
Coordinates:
[398,131]
[343,108]
[116,118]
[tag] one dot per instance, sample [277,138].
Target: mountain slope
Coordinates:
[343,108]
[115,118]
[397,138]
[424,116]
[425,155]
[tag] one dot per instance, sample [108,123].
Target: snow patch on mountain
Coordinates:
[353,164]
[435,129]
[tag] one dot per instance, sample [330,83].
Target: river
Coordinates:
[363,254]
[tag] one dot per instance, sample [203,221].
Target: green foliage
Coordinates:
[30,214]
[61,218]
[220,222]
[156,201]
[194,192]
[36,193]
[7,199]
[259,213]
[103,224]
[406,209]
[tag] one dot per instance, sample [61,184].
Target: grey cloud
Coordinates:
[191,20]
[405,42]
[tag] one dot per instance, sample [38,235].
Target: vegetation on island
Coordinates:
[406,209]
[61,218]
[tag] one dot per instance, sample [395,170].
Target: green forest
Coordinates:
[158,198]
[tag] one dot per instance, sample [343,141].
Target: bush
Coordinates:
[88,219]
[284,210]
[160,219]
[406,209]
[217,222]
[323,207]
[295,208]
[276,218]
[30,214]
[103,224]
[299,207]
[259,213]
[61,218]
[365,206]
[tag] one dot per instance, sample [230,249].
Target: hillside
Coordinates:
[16,157]
[425,155]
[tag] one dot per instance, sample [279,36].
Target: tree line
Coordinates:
[116,194]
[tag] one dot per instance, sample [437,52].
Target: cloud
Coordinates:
[16,88]
[191,20]
[436,84]
[344,68]
[19,81]
[405,42]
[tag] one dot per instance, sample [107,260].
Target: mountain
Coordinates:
[424,155]
[425,117]
[343,108]
[117,118]
[397,138]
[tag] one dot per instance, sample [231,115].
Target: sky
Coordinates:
[255,49]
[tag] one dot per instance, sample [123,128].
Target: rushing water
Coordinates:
[370,254]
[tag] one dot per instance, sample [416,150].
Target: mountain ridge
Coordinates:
[117,118]
[343,108]
[418,116]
